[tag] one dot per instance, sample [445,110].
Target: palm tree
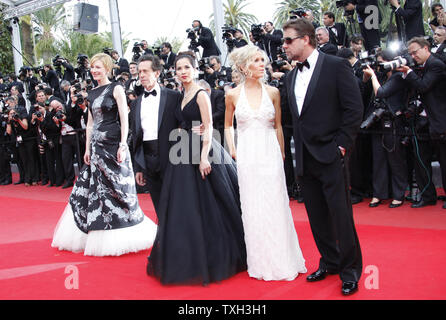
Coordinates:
[27,37]
[285,6]
[235,16]
[47,22]
[6,56]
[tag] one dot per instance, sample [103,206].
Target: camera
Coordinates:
[23,72]
[191,33]
[204,63]
[403,60]
[343,3]
[257,31]
[297,13]
[107,51]
[228,31]
[381,111]
[39,70]
[369,59]
[59,115]
[57,61]
[16,117]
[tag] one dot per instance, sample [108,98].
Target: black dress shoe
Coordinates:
[444,205]
[5,183]
[356,199]
[395,205]
[67,185]
[349,287]
[50,185]
[320,274]
[422,203]
[19,182]
[374,204]
[44,183]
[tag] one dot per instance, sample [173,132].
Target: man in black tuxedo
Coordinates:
[431,85]
[122,65]
[412,14]
[206,40]
[440,41]
[336,30]
[322,36]
[152,120]
[326,107]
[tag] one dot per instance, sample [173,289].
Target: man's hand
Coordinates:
[404,69]
[140,180]
[394,3]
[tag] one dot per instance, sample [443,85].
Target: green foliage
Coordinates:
[6,56]
[285,6]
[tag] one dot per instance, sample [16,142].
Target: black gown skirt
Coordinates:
[200,236]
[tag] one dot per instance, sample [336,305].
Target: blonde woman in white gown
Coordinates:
[272,245]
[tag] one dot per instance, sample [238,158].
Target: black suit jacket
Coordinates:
[218,108]
[441,52]
[169,101]
[331,113]
[431,85]
[123,66]
[340,39]
[329,48]
[207,41]
[412,14]
[169,61]
[271,42]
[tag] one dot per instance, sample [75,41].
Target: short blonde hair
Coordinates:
[105,59]
[241,58]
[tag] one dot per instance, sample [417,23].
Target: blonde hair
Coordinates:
[241,58]
[105,59]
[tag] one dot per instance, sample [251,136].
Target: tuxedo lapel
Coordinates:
[313,82]
[137,117]
[291,93]
[163,100]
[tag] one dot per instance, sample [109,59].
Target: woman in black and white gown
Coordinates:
[103,217]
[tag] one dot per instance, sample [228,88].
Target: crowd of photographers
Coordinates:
[403,92]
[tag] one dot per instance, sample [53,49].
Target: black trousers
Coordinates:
[290,174]
[329,208]
[53,159]
[69,149]
[389,168]
[153,173]
[27,153]
[423,157]
[360,166]
[5,166]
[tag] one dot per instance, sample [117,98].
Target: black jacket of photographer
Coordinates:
[207,41]
[441,52]
[225,74]
[74,114]
[412,14]
[49,128]
[270,43]
[51,79]
[431,85]
[69,73]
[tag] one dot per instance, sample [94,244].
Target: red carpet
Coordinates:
[403,253]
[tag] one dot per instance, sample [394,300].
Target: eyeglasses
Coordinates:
[413,52]
[289,40]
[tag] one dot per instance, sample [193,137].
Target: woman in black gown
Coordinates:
[200,236]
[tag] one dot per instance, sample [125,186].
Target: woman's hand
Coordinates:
[205,168]
[121,152]
[87,157]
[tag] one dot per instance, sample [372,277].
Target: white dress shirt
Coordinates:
[149,115]
[303,80]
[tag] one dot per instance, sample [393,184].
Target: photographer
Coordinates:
[430,83]
[412,14]
[133,84]
[121,65]
[233,38]
[440,40]
[5,156]
[24,136]
[216,73]
[16,93]
[270,40]
[370,34]
[50,77]
[167,55]
[439,17]
[205,39]
[68,74]
[337,30]
[13,81]
[49,146]
[389,153]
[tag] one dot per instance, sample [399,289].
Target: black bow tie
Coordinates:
[147,93]
[300,65]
